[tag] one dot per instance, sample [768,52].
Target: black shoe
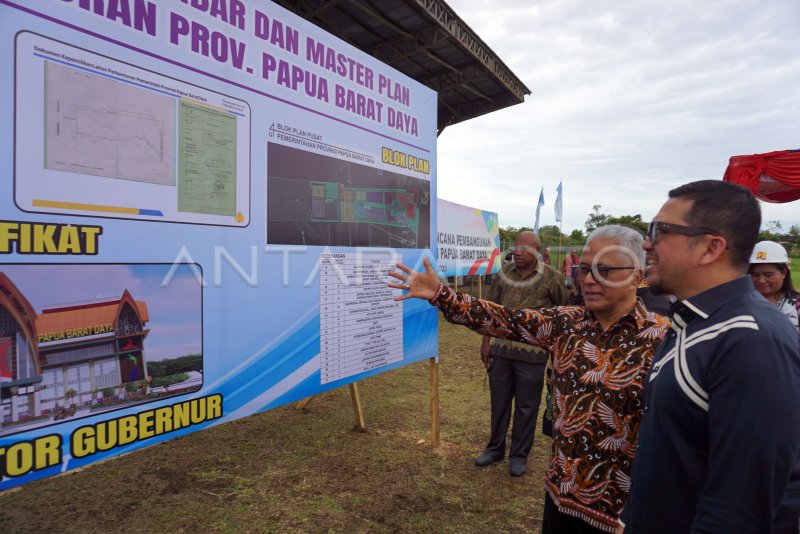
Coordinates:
[487,458]
[516,469]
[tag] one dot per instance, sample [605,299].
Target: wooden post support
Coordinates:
[359,413]
[480,289]
[434,382]
[302,403]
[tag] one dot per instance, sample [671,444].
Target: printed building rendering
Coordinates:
[68,358]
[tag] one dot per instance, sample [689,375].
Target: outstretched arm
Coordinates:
[534,327]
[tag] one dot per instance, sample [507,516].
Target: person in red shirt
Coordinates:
[570,267]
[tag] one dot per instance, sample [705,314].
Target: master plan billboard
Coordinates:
[199,204]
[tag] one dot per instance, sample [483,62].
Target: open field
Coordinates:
[795,267]
[307,471]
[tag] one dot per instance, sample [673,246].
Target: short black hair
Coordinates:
[728,209]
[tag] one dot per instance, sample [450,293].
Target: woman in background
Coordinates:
[769,269]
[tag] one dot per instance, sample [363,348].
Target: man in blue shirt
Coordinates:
[719,442]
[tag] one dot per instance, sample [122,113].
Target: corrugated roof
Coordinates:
[428,42]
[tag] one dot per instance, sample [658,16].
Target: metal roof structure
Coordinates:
[427,41]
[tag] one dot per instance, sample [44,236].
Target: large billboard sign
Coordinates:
[468,240]
[199,203]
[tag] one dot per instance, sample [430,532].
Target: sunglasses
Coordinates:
[584,269]
[656,228]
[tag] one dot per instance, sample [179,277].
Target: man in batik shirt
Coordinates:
[600,355]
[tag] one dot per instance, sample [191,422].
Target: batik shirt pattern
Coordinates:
[597,380]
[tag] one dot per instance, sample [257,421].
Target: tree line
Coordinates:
[551,235]
[174,370]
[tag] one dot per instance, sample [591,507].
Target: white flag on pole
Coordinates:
[558,203]
[538,209]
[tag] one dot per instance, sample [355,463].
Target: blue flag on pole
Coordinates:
[538,209]
[558,203]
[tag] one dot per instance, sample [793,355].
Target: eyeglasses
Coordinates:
[603,270]
[656,228]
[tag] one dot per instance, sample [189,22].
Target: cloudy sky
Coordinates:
[629,99]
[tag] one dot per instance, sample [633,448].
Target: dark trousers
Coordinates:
[554,522]
[521,382]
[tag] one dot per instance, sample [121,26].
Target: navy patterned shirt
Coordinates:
[719,442]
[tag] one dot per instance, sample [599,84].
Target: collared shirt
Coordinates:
[544,288]
[597,389]
[720,436]
[790,307]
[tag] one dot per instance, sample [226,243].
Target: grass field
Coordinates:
[308,471]
[795,267]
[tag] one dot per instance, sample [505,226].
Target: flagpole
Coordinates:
[560,214]
[560,233]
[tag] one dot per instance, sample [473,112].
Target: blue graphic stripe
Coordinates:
[268,369]
[103,74]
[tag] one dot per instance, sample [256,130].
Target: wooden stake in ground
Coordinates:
[302,403]
[357,410]
[434,384]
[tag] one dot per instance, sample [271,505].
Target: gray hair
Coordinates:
[623,236]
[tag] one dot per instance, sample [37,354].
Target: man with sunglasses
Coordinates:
[600,355]
[720,438]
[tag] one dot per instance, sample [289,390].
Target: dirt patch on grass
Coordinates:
[308,471]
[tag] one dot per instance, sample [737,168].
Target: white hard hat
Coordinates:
[769,252]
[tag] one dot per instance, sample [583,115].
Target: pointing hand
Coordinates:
[418,285]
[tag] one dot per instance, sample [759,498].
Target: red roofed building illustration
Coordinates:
[68,357]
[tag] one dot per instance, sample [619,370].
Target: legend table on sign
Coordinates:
[361,327]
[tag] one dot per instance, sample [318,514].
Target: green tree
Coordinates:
[171,366]
[775,227]
[632,221]
[509,234]
[549,234]
[595,218]
[577,237]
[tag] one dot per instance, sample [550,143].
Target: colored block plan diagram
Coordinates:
[345,210]
[331,202]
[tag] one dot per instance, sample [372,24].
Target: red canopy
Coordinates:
[772,177]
